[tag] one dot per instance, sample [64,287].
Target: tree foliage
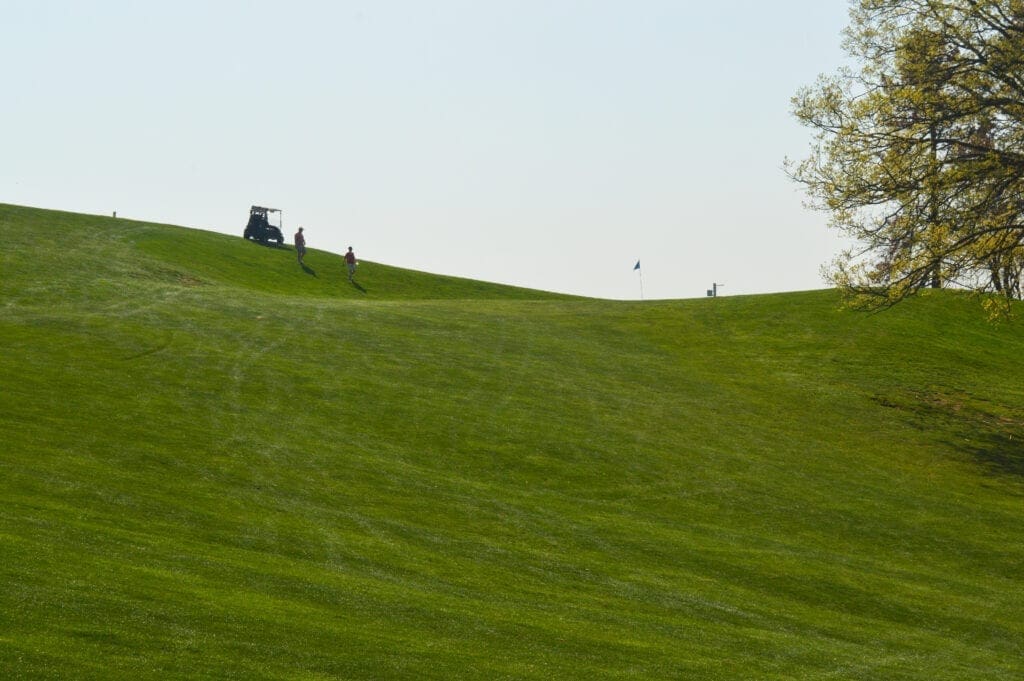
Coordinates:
[918,153]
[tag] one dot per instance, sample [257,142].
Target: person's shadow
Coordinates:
[358,286]
[307,269]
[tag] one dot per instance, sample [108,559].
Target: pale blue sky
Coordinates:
[542,143]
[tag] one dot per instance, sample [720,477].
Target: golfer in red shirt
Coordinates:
[350,261]
[300,245]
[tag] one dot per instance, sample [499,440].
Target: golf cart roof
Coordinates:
[266,210]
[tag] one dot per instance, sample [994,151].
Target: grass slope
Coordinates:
[217,465]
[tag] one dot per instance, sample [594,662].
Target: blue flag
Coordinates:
[637,265]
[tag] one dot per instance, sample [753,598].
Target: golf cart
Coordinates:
[259,227]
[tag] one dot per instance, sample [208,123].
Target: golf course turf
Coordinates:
[215,464]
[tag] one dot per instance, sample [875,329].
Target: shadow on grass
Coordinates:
[307,269]
[357,285]
[992,437]
[269,244]
[1002,452]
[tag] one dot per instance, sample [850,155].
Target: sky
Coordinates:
[549,144]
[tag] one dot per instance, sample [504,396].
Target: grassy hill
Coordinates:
[214,464]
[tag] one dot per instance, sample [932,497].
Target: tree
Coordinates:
[918,153]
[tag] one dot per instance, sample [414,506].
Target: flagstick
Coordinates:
[641,283]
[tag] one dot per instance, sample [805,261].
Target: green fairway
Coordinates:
[215,464]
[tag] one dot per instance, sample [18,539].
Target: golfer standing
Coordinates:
[300,245]
[350,262]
